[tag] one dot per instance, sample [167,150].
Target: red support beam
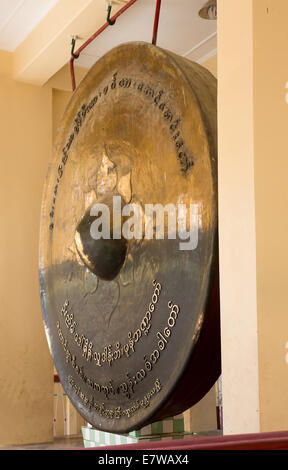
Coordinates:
[94,36]
[156,22]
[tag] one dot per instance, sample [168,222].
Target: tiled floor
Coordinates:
[66,443]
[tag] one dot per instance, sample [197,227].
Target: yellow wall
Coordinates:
[26,372]
[211,65]
[271,203]
[60,100]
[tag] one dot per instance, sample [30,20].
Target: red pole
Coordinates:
[76,53]
[156,22]
[72,74]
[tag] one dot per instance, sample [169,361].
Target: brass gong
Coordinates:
[133,324]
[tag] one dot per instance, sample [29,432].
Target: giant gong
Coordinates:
[133,323]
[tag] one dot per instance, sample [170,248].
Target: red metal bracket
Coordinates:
[75,54]
[106,25]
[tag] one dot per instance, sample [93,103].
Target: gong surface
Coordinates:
[133,325]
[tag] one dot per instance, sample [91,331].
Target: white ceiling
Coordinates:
[181,30]
[18,18]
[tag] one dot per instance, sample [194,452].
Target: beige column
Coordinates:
[237,235]
[253,197]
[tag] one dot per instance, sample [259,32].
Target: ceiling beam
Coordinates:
[48,47]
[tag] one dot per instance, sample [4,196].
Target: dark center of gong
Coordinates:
[104,256]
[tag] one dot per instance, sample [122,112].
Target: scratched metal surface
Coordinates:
[131,349]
